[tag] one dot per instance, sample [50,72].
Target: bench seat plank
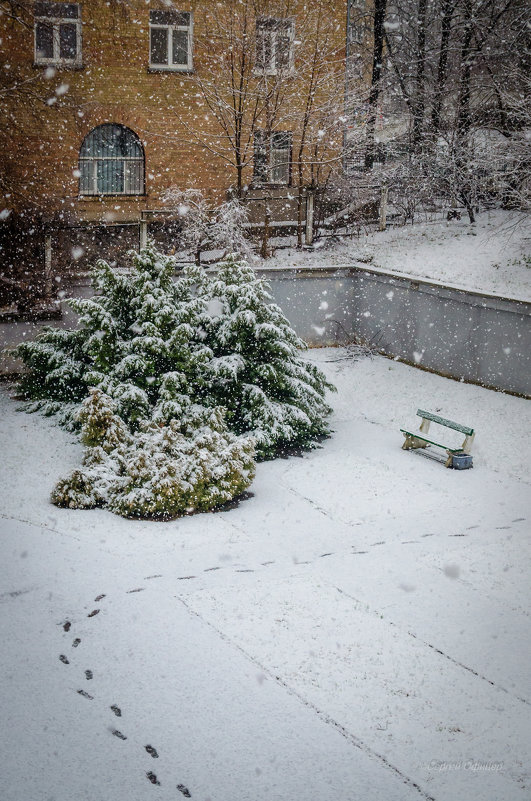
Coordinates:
[416,435]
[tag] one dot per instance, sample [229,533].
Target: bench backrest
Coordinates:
[443,422]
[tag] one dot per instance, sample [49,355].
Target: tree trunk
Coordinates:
[442,67]
[380,7]
[420,99]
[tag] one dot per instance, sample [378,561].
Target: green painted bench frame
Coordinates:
[415,440]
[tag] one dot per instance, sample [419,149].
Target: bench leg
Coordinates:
[412,442]
[448,462]
[467,444]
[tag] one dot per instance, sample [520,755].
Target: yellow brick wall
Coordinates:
[41,142]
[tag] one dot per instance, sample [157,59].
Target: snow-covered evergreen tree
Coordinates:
[137,339]
[258,372]
[160,471]
[167,348]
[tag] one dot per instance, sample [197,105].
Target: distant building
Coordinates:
[108,104]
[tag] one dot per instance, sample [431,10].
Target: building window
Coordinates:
[111,162]
[274,45]
[58,33]
[170,40]
[272,158]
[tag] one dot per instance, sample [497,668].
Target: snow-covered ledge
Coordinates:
[472,336]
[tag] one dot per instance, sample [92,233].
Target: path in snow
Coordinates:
[357,629]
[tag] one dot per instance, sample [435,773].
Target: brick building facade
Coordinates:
[109,103]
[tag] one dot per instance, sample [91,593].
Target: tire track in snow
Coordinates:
[357,742]
[374,612]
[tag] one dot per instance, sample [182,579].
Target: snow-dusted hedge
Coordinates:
[156,344]
[257,371]
[177,384]
[159,471]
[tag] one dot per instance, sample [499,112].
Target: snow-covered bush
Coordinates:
[258,373]
[204,227]
[137,340]
[167,348]
[160,471]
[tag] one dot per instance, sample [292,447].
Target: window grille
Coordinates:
[274,45]
[170,40]
[111,162]
[272,157]
[57,33]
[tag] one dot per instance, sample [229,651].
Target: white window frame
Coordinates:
[127,190]
[271,163]
[55,23]
[170,66]
[263,31]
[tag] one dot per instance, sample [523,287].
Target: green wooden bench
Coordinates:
[420,438]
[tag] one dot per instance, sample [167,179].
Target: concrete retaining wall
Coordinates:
[477,337]
[472,336]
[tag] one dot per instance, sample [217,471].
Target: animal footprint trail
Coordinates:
[89,674]
[152,751]
[100,597]
[119,734]
[76,642]
[67,625]
[184,790]
[117,711]
[152,778]
[93,613]
[64,660]
[85,695]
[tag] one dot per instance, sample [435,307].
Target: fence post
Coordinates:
[383,209]
[143,233]
[48,280]
[309,217]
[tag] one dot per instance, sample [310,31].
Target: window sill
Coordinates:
[102,198]
[60,65]
[181,70]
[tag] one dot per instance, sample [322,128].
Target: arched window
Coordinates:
[111,162]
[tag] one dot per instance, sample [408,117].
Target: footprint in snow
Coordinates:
[63,659]
[117,711]
[208,569]
[94,612]
[152,778]
[119,734]
[325,554]
[67,625]
[184,790]
[76,642]
[138,589]
[157,575]
[100,597]
[152,751]
[85,695]
[88,674]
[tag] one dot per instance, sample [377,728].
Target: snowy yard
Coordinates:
[358,628]
[492,256]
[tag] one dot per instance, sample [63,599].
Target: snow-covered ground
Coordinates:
[489,256]
[357,629]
